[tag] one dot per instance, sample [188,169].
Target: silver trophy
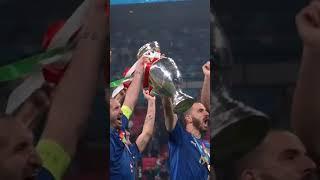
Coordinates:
[165,78]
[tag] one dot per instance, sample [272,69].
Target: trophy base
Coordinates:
[182,104]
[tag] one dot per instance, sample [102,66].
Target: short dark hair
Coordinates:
[234,169]
[186,113]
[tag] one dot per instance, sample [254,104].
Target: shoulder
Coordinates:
[178,128]
[44,174]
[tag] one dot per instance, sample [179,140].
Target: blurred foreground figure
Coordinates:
[68,109]
[280,154]
[235,127]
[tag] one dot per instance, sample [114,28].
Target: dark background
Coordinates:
[182,29]
[266,50]
[23,24]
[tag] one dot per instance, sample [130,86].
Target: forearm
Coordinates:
[148,127]
[306,102]
[134,89]
[205,92]
[170,121]
[75,93]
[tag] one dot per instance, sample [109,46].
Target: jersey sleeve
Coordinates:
[44,174]
[126,111]
[177,134]
[54,159]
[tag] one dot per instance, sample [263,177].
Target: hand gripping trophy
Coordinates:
[163,77]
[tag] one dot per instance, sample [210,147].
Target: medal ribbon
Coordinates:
[123,139]
[117,83]
[202,151]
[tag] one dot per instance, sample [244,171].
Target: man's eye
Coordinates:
[290,156]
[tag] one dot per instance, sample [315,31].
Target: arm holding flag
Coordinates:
[74,95]
[132,95]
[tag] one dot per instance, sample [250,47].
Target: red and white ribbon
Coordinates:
[153,57]
[59,39]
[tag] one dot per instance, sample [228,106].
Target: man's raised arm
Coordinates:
[133,91]
[169,116]
[205,91]
[305,114]
[75,93]
[148,126]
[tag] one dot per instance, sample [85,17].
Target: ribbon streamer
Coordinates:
[26,66]
[60,39]
[117,83]
[129,74]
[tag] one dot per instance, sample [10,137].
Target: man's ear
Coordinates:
[188,118]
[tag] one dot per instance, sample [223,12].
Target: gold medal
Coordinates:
[202,160]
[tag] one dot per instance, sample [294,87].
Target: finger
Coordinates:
[146,92]
[204,67]
[316,10]
[50,88]
[307,17]
[41,99]
[313,15]
[47,88]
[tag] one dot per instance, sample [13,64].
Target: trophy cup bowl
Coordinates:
[166,80]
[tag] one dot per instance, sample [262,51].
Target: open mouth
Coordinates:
[119,120]
[206,122]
